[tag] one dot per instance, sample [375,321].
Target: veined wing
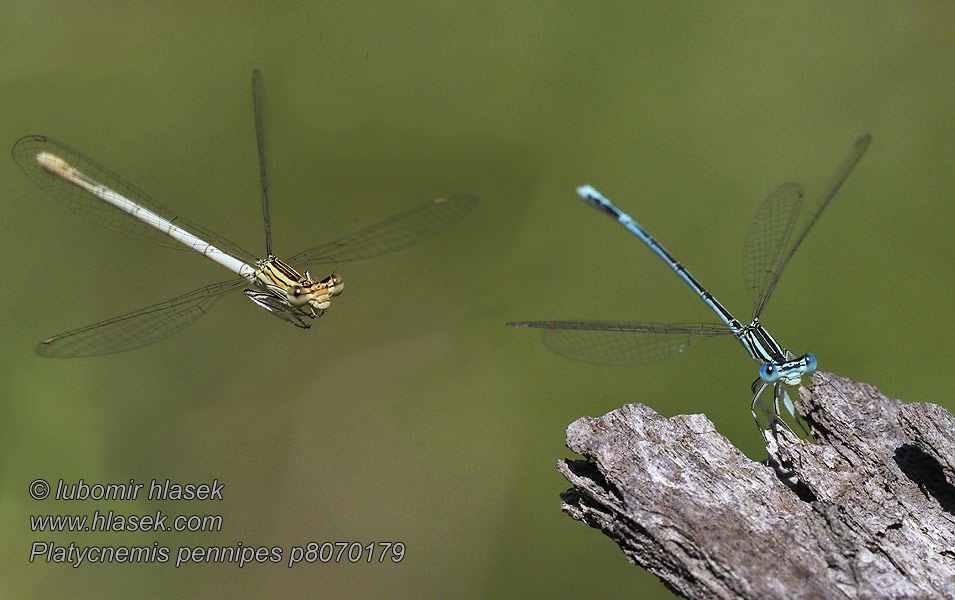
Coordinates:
[28,150]
[400,231]
[766,239]
[257,108]
[768,282]
[138,328]
[620,344]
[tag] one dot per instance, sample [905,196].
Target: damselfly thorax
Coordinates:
[288,294]
[778,364]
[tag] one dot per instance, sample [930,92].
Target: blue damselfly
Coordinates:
[768,247]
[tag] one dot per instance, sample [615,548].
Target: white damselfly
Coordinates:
[285,288]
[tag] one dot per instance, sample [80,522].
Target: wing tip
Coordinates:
[465,201]
[46,348]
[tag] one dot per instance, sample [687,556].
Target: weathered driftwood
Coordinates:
[872,514]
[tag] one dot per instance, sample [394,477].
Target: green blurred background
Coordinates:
[409,412]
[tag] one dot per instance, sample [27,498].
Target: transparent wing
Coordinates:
[138,328]
[260,142]
[766,239]
[620,344]
[26,152]
[840,176]
[399,232]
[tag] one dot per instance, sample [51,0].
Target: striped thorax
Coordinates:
[778,364]
[285,292]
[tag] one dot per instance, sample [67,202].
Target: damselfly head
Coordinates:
[789,372]
[317,295]
[335,284]
[297,296]
[769,373]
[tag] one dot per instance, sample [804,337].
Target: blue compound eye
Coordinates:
[811,363]
[769,373]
